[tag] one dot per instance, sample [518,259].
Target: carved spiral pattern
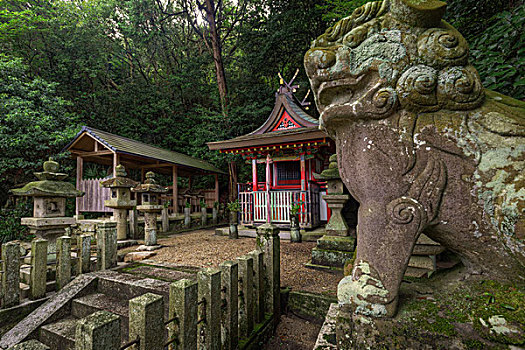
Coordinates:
[356,36]
[417,88]
[383,103]
[460,88]
[404,211]
[443,47]
[360,15]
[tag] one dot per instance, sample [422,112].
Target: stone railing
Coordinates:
[42,267]
[220,310]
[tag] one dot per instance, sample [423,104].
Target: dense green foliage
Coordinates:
[145,69]
[34,124]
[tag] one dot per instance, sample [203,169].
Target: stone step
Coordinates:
[340,243]
[92,303]
[60,335]
[126,286]
[425,249]
[417,272]
[332,258]
[422,262]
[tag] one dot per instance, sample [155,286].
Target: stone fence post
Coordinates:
[183,311]
[165,220]
[106,245]
[133,224]
[209,299]
[98,331]
[258,284]
[84,254]
[10,274]
[245,296]
[230,307]
[146,321]
[63,266]
[38,278]
[269,243]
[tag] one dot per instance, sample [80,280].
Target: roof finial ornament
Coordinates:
[289,89]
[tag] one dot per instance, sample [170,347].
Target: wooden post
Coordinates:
[115,163]
[268,182]
[142,174]
[254,175]
[80,174]
[216,187]
[175,178]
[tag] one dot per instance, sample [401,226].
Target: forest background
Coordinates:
[180,73]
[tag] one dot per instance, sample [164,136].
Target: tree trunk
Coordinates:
[217,54]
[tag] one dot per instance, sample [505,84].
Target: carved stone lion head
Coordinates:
[390,55]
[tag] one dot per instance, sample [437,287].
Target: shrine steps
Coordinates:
[54,323]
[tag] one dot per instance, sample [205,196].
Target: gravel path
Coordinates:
[202,248]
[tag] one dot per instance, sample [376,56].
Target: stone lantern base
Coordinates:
[49,229]
[332,252]
[336,247]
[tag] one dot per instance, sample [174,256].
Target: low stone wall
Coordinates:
[40,271]
[309,305]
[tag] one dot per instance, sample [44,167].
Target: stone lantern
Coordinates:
[49,194]
[120,199]
[336,247]
[150,193]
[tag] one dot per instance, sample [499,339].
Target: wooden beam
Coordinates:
[80,174]
[91,154]
[175,177]
[156,166]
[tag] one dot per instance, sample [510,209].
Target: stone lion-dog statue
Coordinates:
[421,145]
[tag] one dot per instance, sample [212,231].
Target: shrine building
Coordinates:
[284,152]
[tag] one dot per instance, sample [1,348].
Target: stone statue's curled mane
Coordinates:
[426,67]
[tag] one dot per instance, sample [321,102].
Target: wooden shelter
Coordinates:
[101,147]
[292,148]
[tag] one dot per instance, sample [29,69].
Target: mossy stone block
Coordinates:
[344,244]
[332,258]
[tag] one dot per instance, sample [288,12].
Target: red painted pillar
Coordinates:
[268,182]
[255,184]
[303,173]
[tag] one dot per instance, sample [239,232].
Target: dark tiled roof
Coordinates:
[121,144]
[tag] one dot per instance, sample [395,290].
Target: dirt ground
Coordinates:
[293,333]
[202,248]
